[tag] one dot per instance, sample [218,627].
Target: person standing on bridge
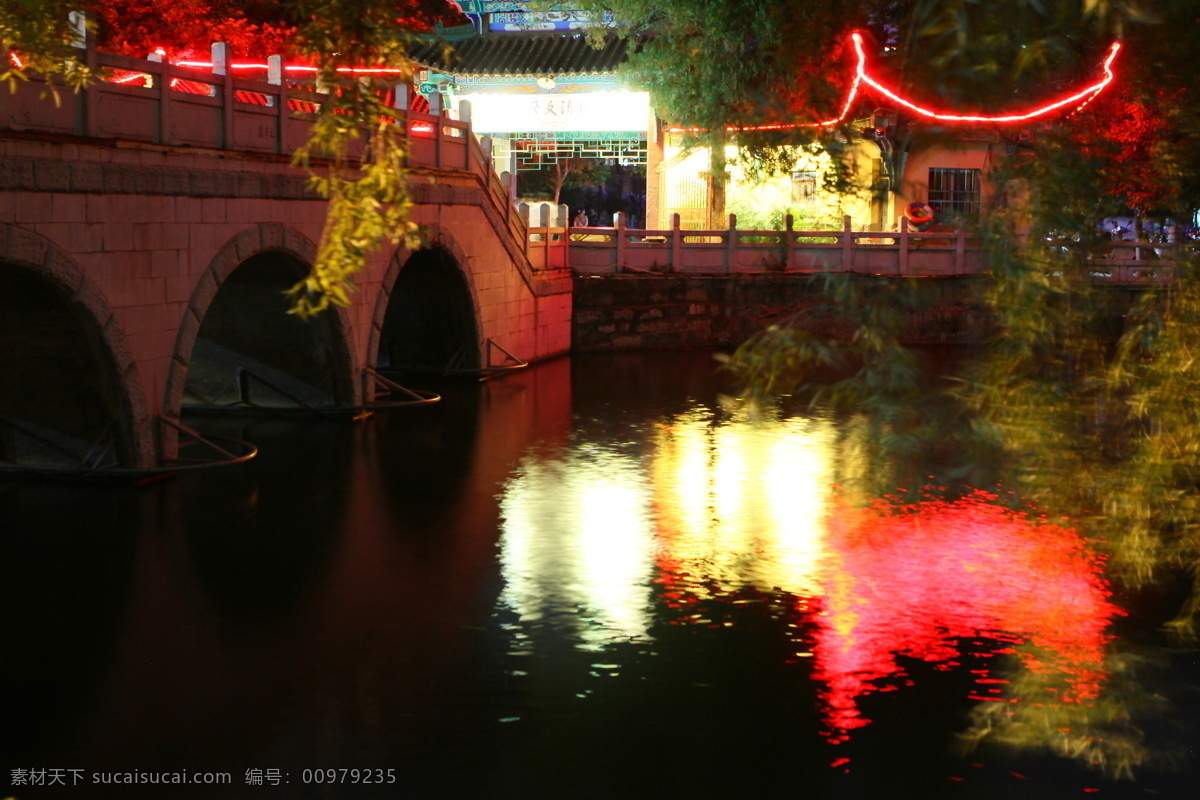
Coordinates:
[581,219]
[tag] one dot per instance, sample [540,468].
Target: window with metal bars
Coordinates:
[955,193]
[804,188]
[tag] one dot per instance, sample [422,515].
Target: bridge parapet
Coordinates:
[158,103]
[618,249]
[166,104]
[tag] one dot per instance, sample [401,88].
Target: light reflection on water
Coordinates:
[742,503]
[706,507]
[579,535]
[914,583]
[661,600]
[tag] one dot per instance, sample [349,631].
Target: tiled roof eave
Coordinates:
[525,56]
[535,75]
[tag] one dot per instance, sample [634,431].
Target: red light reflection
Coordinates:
[915,581]
[883,581]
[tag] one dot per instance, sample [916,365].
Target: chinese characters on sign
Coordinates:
[593,111]
[551,108]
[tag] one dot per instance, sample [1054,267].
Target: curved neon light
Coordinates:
[861,76]
[1079,97]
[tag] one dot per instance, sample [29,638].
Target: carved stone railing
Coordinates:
[618,249]
[157,103]
[165,104]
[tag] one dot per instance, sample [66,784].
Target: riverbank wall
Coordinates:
[630,312]
[623,312]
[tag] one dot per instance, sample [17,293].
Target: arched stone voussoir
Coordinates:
[354,363]
[433,236]
[274,235]
[267,237]
[439,236]
[63,269]
[246,244]
[26,249]
[121,354]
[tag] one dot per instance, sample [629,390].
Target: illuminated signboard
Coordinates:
[548,113]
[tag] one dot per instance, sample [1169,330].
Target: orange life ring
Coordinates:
[919,213]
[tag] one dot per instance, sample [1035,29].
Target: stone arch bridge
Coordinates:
[147,236]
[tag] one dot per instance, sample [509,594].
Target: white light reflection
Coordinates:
[714,508]
[577,538]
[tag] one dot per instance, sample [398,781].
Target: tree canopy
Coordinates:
[258,28]
[188,27]
[716,64]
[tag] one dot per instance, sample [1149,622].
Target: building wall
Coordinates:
[679,183]
[947,153]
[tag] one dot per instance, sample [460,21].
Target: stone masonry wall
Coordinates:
[638,311]
[152,231]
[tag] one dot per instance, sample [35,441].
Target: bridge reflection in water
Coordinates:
[617,534]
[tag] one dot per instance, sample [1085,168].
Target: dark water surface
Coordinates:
[582,580]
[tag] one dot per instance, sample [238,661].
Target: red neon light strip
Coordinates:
[861,76]
[297,68]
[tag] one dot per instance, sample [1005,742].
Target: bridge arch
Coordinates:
[427,313]
[71,380]
[237,319]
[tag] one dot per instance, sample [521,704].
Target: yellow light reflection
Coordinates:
[682,484]
[796,485]
[743,503]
